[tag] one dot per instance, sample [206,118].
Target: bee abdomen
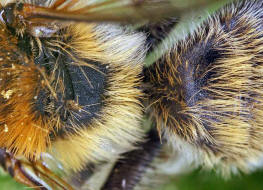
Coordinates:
[208,89]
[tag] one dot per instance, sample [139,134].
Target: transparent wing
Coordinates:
[127,11]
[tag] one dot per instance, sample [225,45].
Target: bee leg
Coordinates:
[128,172]
[14,168]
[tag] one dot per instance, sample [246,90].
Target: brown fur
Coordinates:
[208,89]
[22,130]
[33,125]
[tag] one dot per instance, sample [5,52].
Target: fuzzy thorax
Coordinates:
[77,89]
[116,127]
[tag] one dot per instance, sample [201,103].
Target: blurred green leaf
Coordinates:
[7,183]
[210,181]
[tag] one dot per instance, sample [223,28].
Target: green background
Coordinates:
[209,181]
[198,180]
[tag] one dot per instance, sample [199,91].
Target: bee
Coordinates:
[73,86]
[205,94]
[204,98]
[73,89]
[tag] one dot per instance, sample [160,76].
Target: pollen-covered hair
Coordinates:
[23,130]
[74,93]
[207,91]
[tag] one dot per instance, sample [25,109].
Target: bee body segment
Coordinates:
[207,89]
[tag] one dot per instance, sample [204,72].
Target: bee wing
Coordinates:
[127,11]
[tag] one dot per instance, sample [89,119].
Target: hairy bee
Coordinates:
[74,91]
[205,93]
[68,89]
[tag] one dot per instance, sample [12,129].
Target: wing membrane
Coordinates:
[127,11]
